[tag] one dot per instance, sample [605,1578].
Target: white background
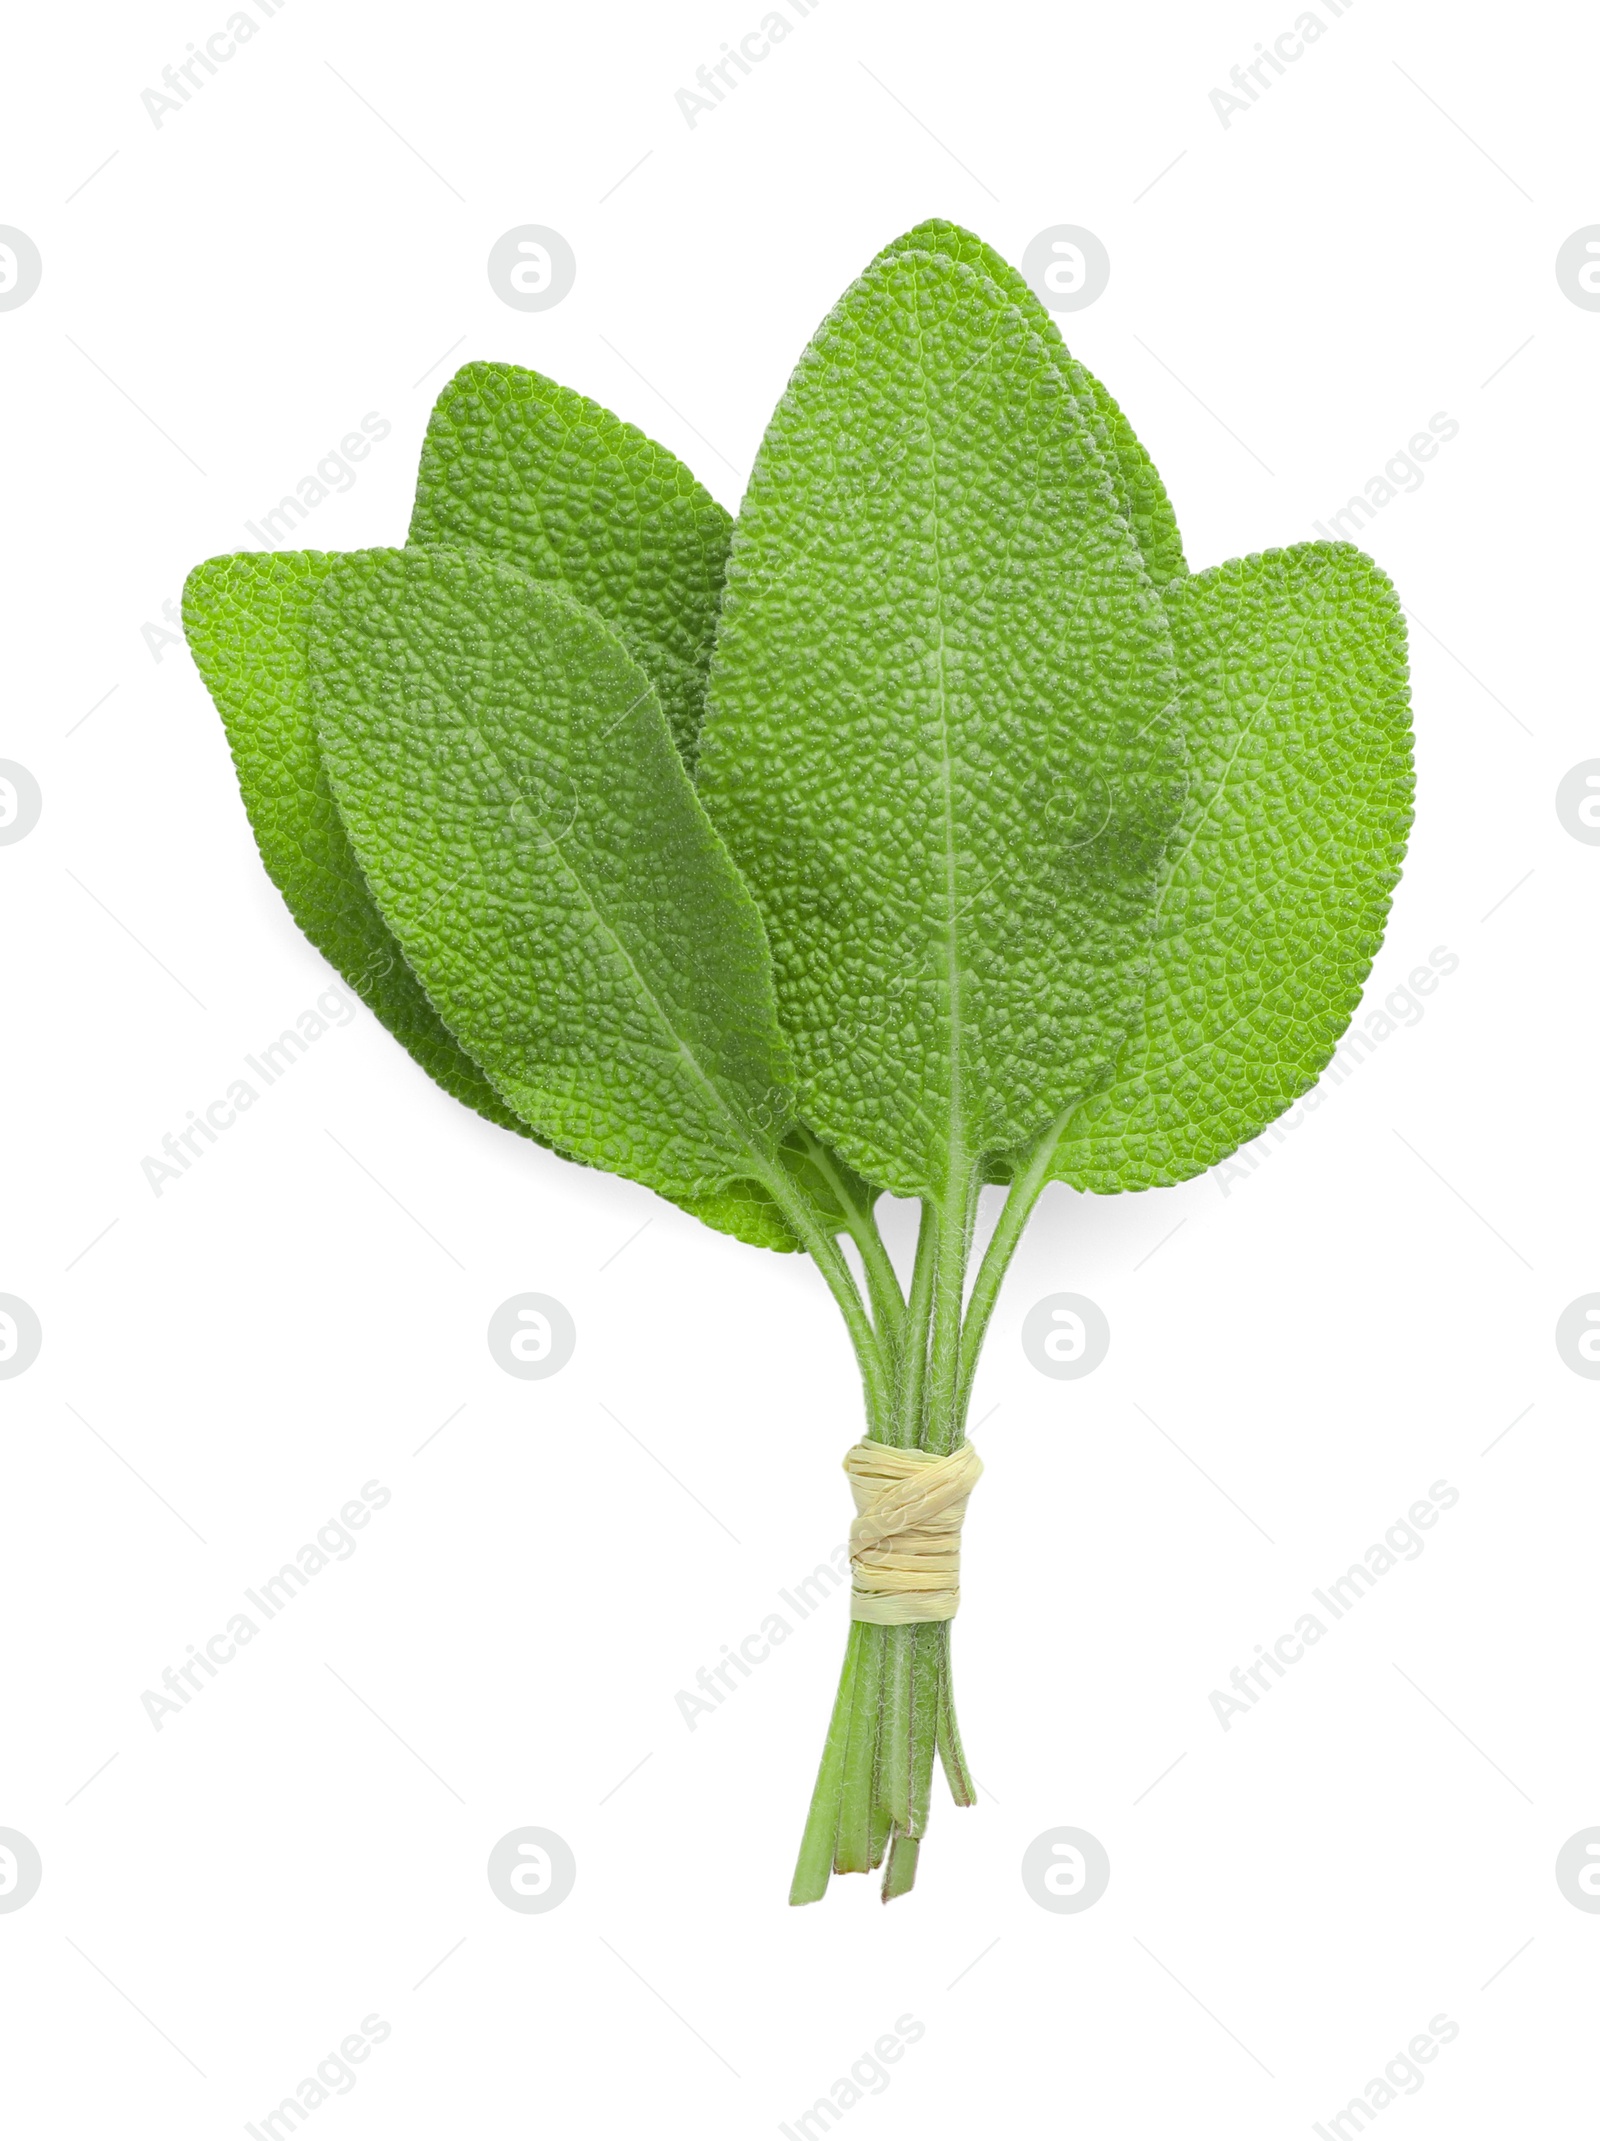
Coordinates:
[1361,1315]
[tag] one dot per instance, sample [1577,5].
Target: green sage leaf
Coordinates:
[518,808]
[938,737]
[1276,888]
[1140,491]
[518,466]
[246,619]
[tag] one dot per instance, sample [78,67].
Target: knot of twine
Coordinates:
[905,1544]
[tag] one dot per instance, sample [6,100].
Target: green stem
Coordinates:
[803,1216]
[957,1775]
[927,1672]
[853,1850]
[882,1830]
[901,1870]
[942,1423]
[919,1314]
[883,1286]
[894,1728]
[815,1862]
[1021,1198]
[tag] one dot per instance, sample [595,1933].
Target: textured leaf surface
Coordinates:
[1276,888]
[745,1211]
[937,736]
[247,619]
[520,811]
[523,468]
[1140,491]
